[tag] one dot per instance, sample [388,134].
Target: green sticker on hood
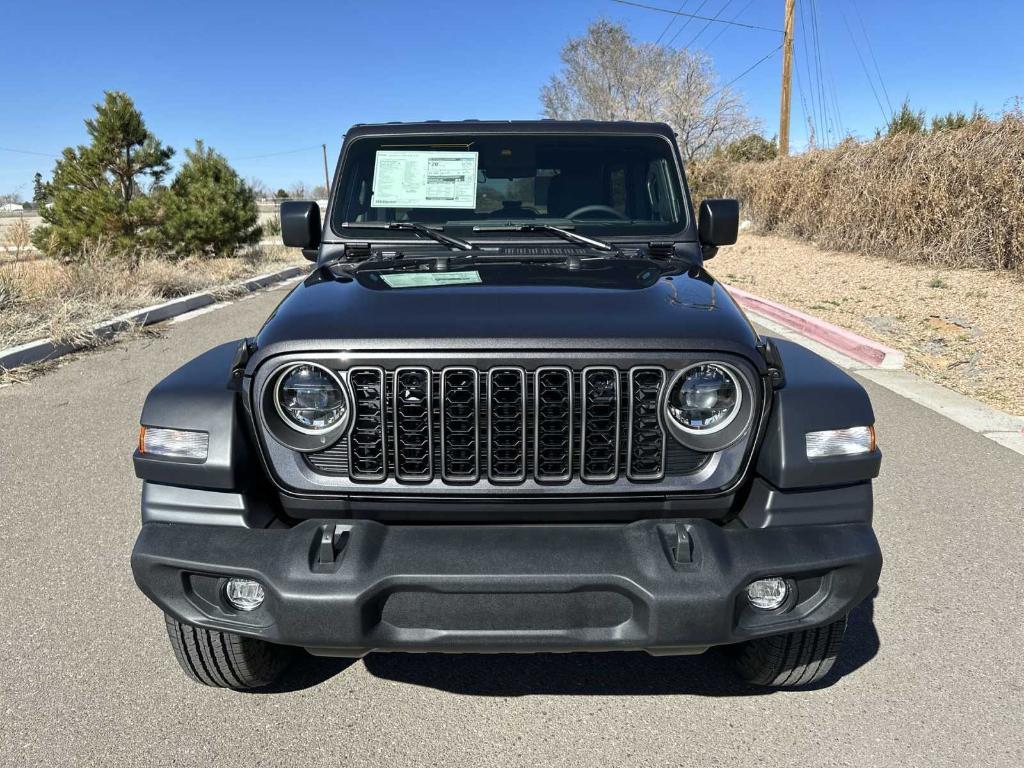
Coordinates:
[430,279]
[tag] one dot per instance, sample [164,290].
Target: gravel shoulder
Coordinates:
[958,327]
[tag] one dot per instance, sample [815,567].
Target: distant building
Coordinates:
[12,208]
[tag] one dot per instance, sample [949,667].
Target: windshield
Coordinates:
[608,185]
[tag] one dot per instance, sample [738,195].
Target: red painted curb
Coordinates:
[837,338]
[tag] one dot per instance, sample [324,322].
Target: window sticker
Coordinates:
[431,279]
[418,179]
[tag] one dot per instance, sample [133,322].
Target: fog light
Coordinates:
[767,594]
[244,594]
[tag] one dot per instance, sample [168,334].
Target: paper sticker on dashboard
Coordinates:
[424,179]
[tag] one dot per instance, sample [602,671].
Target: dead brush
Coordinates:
[949,199]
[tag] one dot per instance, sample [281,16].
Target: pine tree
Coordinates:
[40,192]
[99,190]
[906,121]
[208,209]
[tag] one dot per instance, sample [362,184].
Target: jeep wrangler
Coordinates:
[508,411]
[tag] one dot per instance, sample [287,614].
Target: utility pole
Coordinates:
[327,177]
[787,78]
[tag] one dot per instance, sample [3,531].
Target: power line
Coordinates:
[816,41]
[723,30]
[863,66]
[28,152]
[708,24]
[812,91]
[746,71]
[871,50]
[671,22]
[694,16]
[686,23]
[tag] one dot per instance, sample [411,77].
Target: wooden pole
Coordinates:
[787,78]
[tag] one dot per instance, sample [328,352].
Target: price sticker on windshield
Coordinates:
[418,179]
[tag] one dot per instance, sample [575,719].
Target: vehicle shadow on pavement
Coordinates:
[580,674]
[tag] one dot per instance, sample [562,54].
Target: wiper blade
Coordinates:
[411,226]
[565,234]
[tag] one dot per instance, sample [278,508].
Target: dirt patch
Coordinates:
[958,327]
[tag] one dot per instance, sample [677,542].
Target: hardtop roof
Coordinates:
[511,126]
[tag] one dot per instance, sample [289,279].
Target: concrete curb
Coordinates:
[47,349]
[840,339]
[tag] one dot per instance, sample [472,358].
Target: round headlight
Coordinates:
[310,398]
[705,399]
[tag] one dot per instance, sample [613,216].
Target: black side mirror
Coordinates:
[300,225]
[718,224]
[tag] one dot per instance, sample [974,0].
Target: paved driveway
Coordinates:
[932,673]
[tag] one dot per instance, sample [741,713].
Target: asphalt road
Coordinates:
[931,676]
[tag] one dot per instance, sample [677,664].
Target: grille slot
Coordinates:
[460,425]
[506,424]
[599,438]
[553,421]
[645,459]
[367,452]
[413,404]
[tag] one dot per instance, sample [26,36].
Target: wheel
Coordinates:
[787,661]
[225,660]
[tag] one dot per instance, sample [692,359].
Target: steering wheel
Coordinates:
[596,209]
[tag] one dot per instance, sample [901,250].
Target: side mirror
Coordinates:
[718,223]
[300,224]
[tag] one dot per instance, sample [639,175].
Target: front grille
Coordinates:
[552,425]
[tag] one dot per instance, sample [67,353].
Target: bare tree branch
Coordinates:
[606,75]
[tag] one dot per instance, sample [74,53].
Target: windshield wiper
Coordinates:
[411,226]
[565,234]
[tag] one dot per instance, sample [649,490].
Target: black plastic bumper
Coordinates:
[506,588]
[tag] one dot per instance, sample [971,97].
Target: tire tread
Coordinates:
[791,660]
[223,659]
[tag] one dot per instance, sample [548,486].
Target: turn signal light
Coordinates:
[840,442]
[174,443]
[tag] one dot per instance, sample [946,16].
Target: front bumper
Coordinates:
[505,588]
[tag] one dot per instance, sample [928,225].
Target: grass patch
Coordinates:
[47,299]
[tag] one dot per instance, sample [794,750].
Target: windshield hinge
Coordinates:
[357,250]
[665,249]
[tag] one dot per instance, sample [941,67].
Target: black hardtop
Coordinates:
[510,126]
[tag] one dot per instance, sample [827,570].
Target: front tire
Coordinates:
[792,660]
[225,660]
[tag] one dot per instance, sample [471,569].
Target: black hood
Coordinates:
[604,304]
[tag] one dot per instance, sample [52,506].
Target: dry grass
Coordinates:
[46,299]
[951,199]
[958,327]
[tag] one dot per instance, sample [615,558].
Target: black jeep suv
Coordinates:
[508,411]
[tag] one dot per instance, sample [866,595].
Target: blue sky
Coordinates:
[258,78]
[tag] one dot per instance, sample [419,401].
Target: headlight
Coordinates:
[310,398]
[705,399]
[708,406]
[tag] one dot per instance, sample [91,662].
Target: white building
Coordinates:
[12,208]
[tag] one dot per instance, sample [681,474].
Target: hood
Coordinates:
[603,304]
